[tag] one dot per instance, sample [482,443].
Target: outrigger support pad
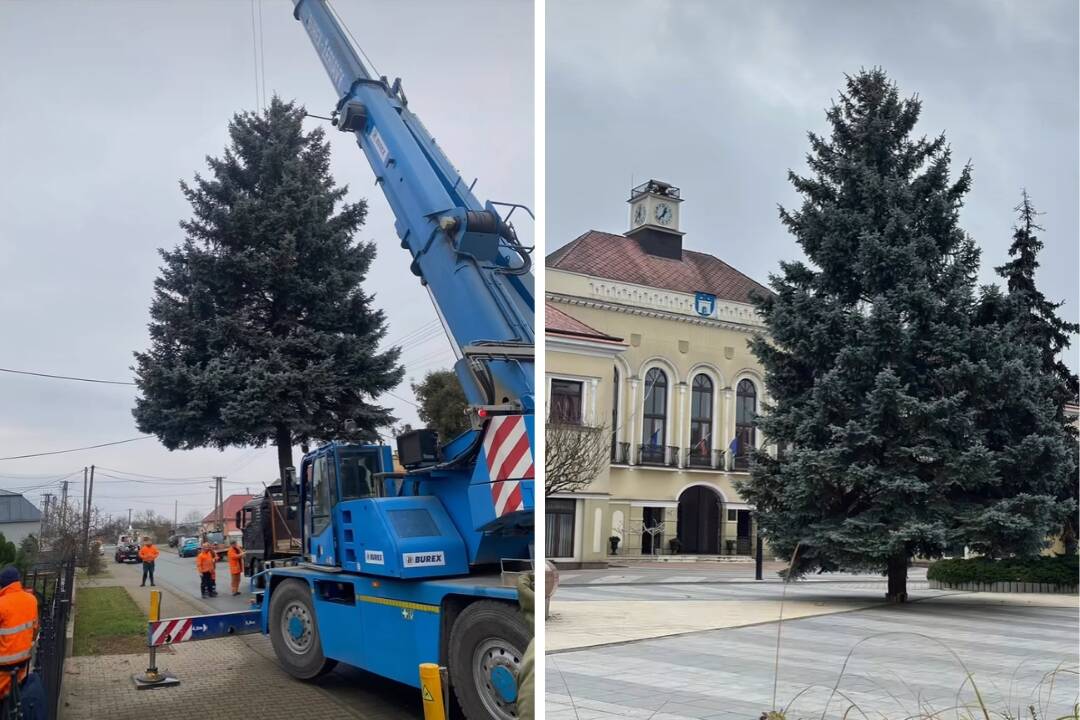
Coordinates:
[154,678]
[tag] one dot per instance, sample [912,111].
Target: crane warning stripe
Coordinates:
[167,632]
[506,446]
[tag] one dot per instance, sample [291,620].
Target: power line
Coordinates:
[162,483]
[415,331]
[156,477]
[70,450]
[65,377]
[402,399]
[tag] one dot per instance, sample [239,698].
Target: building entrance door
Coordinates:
[699,521]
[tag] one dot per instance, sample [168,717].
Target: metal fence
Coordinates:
[52,582]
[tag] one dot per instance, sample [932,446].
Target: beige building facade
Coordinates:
[648,341]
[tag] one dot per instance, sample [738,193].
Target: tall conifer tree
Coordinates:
[883,384]
[261,331]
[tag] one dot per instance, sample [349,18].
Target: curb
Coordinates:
[1006,587]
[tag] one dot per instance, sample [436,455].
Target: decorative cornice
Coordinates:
[738,326]
[583,346]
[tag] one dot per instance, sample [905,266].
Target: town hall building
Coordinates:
[648,340]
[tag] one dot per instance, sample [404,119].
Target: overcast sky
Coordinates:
[108,104]
[717,97]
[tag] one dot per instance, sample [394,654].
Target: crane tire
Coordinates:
[487,644]
[294,632]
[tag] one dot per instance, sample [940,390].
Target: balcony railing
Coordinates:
[700,458]
[663,455]
[620,453]
[741,462]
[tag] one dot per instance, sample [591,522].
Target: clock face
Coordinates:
[639,213]
[663,213]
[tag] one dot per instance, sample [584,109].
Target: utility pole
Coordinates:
[46,497]
[175,506]
[88,500]
[63,505]
[220,502]
[85,470]
[82,518]
[129,517]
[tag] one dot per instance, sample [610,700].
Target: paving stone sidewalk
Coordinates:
[1019,652]
[229,677]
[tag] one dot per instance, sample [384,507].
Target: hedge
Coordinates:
[1055,570]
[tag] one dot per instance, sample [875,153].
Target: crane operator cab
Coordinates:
[358,519]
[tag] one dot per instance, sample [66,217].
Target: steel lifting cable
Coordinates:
[255,56]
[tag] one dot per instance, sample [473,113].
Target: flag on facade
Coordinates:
[734,446]
[655,440]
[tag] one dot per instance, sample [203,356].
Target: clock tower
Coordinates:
[654,219]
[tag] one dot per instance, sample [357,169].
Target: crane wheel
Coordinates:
[294,632]
[487,645]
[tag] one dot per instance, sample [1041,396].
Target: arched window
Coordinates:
[701,422]
[654,420]
[745,410]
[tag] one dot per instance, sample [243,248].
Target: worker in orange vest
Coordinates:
[206,564]
[18,628]
[148,554]
[236,567]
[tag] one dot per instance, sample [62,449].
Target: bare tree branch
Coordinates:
[574,455]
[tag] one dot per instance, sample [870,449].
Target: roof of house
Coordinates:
[558,322]
[15,508]
[622,258]
[230,506]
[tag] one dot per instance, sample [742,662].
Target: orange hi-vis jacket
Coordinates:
[235,568]
[206,561]
[18,625]
[148,553]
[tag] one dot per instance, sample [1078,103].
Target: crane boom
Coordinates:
[477,273]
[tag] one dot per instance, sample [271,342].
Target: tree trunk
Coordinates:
[283,440]
[1068,537]
[897,568]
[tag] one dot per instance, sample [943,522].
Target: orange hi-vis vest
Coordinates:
[148,553]
[234,561]
[205,561]
[18,625]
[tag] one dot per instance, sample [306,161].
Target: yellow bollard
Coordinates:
[432,692]
[155,605]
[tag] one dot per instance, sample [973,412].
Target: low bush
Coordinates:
[1056,570]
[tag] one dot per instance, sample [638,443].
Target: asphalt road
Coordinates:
[181,576]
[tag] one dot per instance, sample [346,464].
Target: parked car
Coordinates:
[174,540]
[188,547]
[127,552]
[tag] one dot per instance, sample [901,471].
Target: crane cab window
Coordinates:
[357,471]
[322,480]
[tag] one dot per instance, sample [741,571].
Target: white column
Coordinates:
[631,407]
[682,415]
[717,429]
[729,425]
[593,418]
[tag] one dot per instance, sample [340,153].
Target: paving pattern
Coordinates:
[225,678]
[904,660]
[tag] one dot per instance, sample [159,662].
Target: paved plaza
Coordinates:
[904,660]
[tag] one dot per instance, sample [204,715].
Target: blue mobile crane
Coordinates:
[403,568]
